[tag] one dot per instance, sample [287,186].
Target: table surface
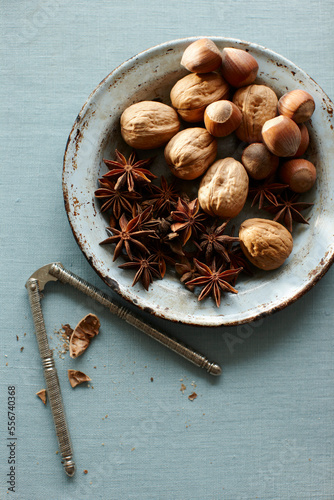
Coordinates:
[264,428]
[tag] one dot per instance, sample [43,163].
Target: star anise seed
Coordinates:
[116,200]
[288,210]
[129,171]
[266,191]
[163,199]
[127,235]
[187,219]
[147,269]
[188,271]
[214,241]
[214,281]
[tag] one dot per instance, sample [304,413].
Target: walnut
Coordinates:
[265,243]
[190,152]
[224,188]
[257,103]
[149,124]
[76,377]
[82,334]
[193,93]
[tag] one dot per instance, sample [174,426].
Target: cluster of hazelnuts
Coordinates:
[273,128]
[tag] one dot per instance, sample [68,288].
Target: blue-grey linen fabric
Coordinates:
[264,429]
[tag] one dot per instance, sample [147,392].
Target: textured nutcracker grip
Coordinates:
[51,378]
[173,344]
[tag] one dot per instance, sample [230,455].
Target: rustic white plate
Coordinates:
[96,134]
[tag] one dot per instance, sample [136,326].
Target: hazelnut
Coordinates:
[149,124]
[282,136]
[265,243]
[257,103]
[239,68]
[190,152]
[224,188]
[202,56]
[193,93]
[299,174]
[259,161]
[305,139]
[297,105]
[221,118]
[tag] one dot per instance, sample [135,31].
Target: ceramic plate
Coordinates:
[95,135]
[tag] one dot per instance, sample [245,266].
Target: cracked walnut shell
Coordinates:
[224,188]
[82,334]
[265,243]
[193,93]
[76,377]
[149,124]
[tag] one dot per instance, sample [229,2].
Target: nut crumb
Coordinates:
[57,452]
[192,396]
[42,395]
[183,388]
[7,363]
[67,331]
[151,379]
[132,449]
[21,348]
[17,337]
[85,471]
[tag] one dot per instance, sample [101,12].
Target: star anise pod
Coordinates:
[163,255]
[237,258]
[266,191]
[213,240]
[146,221]
[147,269]
[128,171]
[188,271]
[116,200]
[163,199]
[214,281]
[288,209]
[187,219]
[128,235]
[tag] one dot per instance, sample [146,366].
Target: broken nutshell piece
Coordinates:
[76,377]
[42,394]
[86,329]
